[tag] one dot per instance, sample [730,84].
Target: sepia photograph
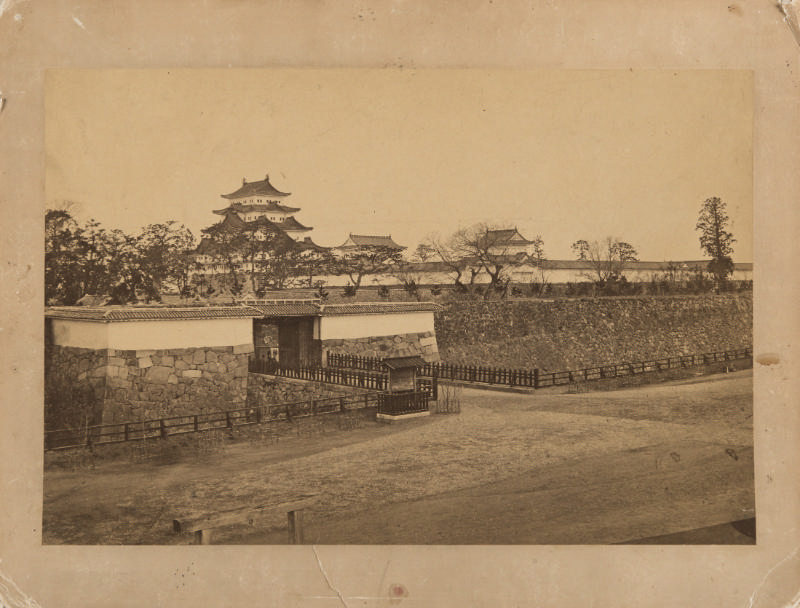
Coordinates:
[391,303]
[398,307]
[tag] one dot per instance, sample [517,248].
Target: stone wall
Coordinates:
[132,385]
[86,365]
[572,334]
[143,384]
[267,390]
[422,344]
[75,386]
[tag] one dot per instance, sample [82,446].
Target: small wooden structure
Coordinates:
[202,526]
[402,399]
[403,372]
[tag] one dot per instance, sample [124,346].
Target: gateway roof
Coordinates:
[363,240]
[107,314]
[249,309]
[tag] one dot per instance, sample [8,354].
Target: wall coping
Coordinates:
[113,314]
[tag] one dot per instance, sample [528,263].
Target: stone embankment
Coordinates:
[574,334]
[132,385]
[403,345]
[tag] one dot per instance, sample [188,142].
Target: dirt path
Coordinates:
[604,453]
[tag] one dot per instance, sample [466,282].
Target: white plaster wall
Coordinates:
[363,326]
[560,275]
[80,334]
[153,335]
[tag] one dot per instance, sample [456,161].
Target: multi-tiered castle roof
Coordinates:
[261,199]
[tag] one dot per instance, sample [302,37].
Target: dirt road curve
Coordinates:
[545,468]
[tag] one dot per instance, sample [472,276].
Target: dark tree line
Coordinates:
[83,259]
[257,256]
[87,259]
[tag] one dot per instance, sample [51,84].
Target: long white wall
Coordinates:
[363,326]
[81,334]
[153,335]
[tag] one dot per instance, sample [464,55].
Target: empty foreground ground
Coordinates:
[606,467]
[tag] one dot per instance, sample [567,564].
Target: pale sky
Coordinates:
[566,155]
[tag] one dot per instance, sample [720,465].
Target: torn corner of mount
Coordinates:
[789,8]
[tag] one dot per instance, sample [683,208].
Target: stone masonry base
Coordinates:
[404,345]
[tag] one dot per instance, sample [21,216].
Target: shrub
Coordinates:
[449,399]
[321,292]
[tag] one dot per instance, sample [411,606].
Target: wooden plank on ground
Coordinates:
[245,515]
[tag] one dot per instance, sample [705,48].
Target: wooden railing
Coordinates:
[406,402]
[355,378]
[102,434]
[228,419]
[618,370]
[331,375]
[536,378]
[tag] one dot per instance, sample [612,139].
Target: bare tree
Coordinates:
[490,248]
[436,248]
[608,258]
[367,259]
[409,273]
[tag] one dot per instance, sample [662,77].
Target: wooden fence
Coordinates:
[103,434]
[355,378]
[331,375]
[120,432]
[406,402]
[536,378]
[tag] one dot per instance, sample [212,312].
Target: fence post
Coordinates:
[196,424]
[536,378]
[163,429]
[202,537]
[342,408]
[296,527]
[127,432]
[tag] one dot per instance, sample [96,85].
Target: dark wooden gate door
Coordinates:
[289,343]
[296,342]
